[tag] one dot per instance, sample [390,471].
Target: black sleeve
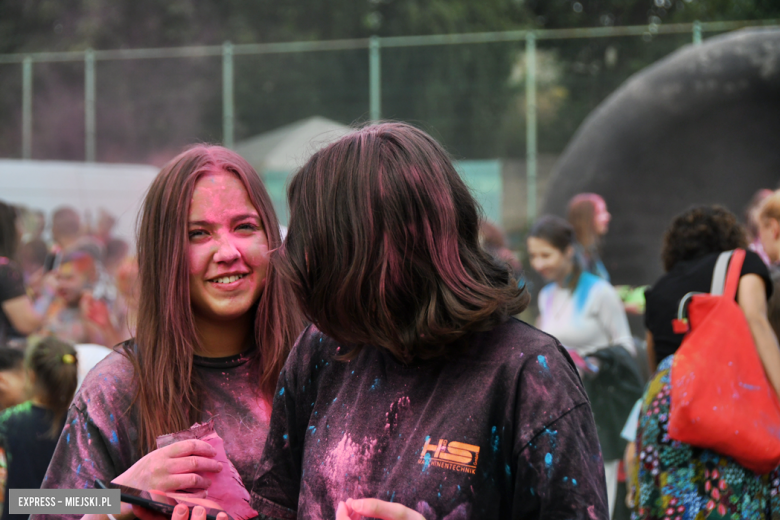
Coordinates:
[560,474]
[277,482]
[754,265]
[11,280]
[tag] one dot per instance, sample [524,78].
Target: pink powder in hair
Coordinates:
[226,490]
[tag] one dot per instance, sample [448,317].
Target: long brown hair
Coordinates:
[55,366]
[169,394]
[383,246]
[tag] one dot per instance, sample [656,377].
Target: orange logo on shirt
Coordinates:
[456,456]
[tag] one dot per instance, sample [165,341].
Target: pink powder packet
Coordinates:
[226,489]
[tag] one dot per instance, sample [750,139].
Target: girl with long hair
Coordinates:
[415,393]
[588,215]
[215,324]
[585,313]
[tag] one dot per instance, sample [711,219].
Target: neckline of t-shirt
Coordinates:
[223,362]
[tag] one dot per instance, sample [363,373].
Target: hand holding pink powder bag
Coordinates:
[227,490]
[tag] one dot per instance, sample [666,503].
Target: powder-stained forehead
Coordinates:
[220,196]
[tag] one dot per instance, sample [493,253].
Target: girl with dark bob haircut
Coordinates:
[414,393]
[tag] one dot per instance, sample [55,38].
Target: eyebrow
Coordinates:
[237,218]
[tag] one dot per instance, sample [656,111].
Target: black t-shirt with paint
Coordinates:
[11,286]
[663,298]
[502,430]
[100,437]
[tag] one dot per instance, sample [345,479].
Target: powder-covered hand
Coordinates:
[173,467]
[374,508]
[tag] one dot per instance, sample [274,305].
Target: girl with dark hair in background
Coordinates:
[18,318]
[695,482]
[215,324]
[29,431]
[415,393]
[588,214]
[585,314]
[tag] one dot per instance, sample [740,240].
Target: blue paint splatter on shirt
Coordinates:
[376,384]
[548,459]
[495,441]
[281,392]
[542,361]
[582,291]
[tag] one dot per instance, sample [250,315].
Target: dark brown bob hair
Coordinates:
[383,246]
[169,394]
[699,231]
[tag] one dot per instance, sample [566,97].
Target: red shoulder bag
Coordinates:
[720,396]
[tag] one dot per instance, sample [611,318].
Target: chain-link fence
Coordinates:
[516,96]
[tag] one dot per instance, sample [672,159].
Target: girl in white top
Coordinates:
[580,309]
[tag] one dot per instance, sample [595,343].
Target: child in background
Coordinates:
[74,315]
[29,431]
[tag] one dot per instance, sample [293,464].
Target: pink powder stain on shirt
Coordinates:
[344,466]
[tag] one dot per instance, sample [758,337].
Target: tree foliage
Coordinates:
[471,96]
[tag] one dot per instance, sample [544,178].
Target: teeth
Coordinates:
[228,279]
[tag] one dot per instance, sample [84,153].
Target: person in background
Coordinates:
[75,315]
[29,431]
[126,306]
[692,482]
[585,314]
[18,317]
[588,215]
[11,377]
[414,394]
[32,257]
[12,391]
[493,240]
[752,224]
[768,233]
[115,253]
[65,232]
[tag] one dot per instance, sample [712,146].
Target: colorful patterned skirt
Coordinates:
[677,481]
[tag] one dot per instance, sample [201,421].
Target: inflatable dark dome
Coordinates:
[701,126]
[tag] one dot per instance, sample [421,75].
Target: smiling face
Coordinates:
[550,262]
[228,249]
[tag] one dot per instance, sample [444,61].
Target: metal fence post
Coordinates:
[227,95]
[27,94]
[697,32]
[530,123]
[375,79]
[89,105]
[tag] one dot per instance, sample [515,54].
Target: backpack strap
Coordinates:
[735,270]
[719,273]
